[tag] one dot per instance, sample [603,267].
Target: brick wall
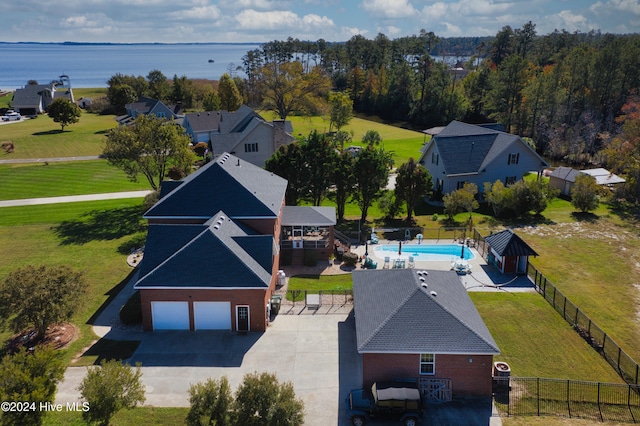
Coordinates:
[467,378]
[256,299]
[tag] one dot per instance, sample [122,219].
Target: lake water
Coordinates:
[91,65]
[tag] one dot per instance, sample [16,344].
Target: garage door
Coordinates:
[170,315]
[212,315]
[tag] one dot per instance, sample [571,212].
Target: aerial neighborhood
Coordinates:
[303,246]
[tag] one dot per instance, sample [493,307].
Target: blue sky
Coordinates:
[265,20]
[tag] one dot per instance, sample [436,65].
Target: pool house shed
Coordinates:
[508,252]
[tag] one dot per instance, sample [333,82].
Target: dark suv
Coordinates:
[399,399]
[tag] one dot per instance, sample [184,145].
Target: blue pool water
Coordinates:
[424,252]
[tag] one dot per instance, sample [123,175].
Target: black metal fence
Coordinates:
[326,297]
[521,396]
[628,369]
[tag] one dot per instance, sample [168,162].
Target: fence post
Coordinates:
[636,374]
[568,398]
[619,352]
[564,309]
[599,407]
[538,394]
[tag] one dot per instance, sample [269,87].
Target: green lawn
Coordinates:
[42,138]
[94,237]
[158,416]
[31,180]
[404,143]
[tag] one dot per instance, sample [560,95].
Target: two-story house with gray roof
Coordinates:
[149,106]
[422,324]
[35,98]
[462,153]
[212,254]
[243,133]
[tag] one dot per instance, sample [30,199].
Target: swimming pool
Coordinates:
[424,252]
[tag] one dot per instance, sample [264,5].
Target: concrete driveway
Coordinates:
[317,353]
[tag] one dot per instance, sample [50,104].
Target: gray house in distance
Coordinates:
[463,152]
[35,98]
[148,106]
[243,133]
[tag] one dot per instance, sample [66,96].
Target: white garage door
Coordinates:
[212,315]
[170,315]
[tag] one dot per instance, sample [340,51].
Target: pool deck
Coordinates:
[483,277]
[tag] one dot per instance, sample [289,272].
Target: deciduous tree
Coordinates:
[262,401]
[463,199]
[64,111]
[286,88]
[150,146]
[40,296]
[211,403]
[584,194]
[341,106]
[230,98]
[29,378]
[109,388]
[413,183]
[371,174]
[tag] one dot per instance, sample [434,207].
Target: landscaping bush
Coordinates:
[131,311]
[310,258]
[350,259]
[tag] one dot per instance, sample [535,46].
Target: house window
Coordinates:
[250,147]
[160,114]
[435,158]
[510,180]
[460,184]
[513,159]
[427,364]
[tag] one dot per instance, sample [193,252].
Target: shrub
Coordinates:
[350,259]
[131,311]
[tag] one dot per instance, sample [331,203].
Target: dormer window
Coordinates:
[513,159]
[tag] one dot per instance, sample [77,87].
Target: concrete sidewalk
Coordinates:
[74,198]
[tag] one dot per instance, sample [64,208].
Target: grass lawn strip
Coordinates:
[35,180]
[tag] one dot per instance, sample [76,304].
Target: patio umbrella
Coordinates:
[400,248]
[366,249]
[462,252]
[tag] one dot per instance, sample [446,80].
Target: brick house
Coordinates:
[212,253]
[422,324]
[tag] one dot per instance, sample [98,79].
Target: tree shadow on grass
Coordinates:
[98,225]
[585,217]
[49,132]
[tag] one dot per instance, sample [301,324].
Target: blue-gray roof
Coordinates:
[468,148]
[394,313]
[219,255]
[507,243]
[235,186]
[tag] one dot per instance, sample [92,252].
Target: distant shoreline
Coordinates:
[90,43]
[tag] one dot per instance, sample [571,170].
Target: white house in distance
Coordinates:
[243,133]
[463,152]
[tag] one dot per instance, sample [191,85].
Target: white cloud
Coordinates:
[284,19]
[572,21]
[389,8]
[247,4]
[317,21]
[206,12]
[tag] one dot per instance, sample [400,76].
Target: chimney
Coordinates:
[280,136]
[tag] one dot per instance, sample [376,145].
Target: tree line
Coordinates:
[563,90]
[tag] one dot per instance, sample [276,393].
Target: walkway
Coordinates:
[74,198]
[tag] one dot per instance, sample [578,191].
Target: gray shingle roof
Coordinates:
[394,313]
[230,184]
[565,173]
[468,148]
[507,243]
[220,255]
[308,215]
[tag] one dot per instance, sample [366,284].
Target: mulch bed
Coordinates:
[58,336]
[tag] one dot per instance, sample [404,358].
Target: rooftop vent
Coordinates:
[216,226]
[422,279]
[424,285]
[433,293]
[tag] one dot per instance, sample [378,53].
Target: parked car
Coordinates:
[11,116]
[400,399]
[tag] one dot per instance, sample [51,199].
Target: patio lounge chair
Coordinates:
[386,263]
[374,239]
[412,262]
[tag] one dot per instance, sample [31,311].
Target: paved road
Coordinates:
[74,198]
